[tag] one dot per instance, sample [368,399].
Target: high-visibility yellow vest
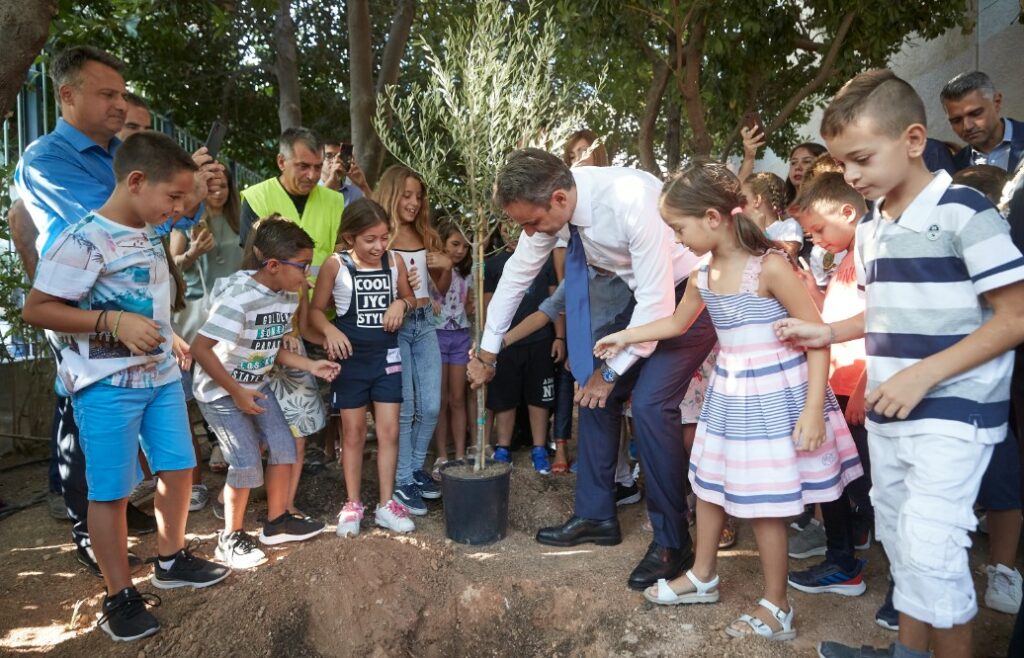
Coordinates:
[321,218]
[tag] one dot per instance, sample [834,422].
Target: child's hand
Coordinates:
[899,394]
[336,343]
[435,306]
[438,261]
[809,432]
[394,316]
[800,333]
[139,334]
[180,350]
[470,306]
[610,345]
[414,276]
[245,400]
[326,370]
[855,411]
[291,343]
[558,350]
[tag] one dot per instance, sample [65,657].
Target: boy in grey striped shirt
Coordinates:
[944,304]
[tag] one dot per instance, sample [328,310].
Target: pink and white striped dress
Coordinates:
[744,458]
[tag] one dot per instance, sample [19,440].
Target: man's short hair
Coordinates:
[66,65]
[292,136]
[878,94]
[136,100]
[330,140]
[828,189]
[532,176]
[154,154]
[965,83]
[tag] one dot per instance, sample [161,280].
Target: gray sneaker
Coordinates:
[837,650]
[809,542]
[58,510]
[200,496]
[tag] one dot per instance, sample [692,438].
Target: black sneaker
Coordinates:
[887,616]
[800,522]
[139,523]
[827,576]
[125,617]
[87,559]
[429,487]
[187,570]
[290,527]
[626,495]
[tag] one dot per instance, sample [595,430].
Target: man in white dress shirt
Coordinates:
[611,215]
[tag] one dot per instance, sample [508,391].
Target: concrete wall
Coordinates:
[995,46]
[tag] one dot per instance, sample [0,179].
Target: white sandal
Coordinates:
[664,595]
[762,629]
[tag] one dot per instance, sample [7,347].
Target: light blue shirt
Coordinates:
[1000,155]
[63,176]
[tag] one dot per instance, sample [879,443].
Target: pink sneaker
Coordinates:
[349,518]
[394,516]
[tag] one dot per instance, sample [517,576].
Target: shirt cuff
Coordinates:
[490,342]
[622,361]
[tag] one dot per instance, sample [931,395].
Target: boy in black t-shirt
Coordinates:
[525,371]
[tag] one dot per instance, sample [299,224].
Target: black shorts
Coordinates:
[372,375]
[525,373]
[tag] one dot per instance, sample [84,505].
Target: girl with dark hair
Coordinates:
[766,403]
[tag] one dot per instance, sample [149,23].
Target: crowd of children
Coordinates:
[883,365]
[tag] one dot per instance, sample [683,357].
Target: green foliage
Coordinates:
[489,89]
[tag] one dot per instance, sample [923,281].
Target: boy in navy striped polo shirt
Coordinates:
[944,304]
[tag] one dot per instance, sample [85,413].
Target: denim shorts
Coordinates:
[368,375]
[113,420]
[241,435]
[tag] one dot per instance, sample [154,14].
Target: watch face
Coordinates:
[607,374]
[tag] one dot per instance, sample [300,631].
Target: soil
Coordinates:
[417,595]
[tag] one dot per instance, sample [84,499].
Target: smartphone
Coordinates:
[753,119]
[346,153]
[213,143]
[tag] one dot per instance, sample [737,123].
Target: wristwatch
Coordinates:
[607,374]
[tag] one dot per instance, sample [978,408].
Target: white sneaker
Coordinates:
[1004,589]
[349,518]
[394,516]
[200,496]
[239,550]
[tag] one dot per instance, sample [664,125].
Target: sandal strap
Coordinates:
[785,619]
[756,625]
[665,592]
[699,585]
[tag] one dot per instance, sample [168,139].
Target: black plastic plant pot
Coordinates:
[475,504]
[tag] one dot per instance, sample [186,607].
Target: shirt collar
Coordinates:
[80,141]
[582,214]
[919,215]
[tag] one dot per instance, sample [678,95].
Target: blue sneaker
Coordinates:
[572,467]
[408,495]
[429,488]
[502,455]
[828,577]
[887,617]
[540,460]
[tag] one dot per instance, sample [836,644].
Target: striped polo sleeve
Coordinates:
[991,258]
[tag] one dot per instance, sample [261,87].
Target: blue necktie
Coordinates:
[577,309]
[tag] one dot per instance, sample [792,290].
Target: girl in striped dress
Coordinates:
[771,437]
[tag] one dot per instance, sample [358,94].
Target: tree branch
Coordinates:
[824,73]
[652,107]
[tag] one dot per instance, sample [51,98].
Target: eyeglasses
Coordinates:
[300,266]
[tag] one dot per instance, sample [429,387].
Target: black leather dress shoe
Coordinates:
[660,562]
[581,531]
[139,523]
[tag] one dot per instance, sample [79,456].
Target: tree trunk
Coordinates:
[369,152]
[673,121]
[689,84]
[286,68]
[649,120]
[363,103]
[25,25]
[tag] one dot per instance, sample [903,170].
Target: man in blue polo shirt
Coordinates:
[61,178]
[972,106]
